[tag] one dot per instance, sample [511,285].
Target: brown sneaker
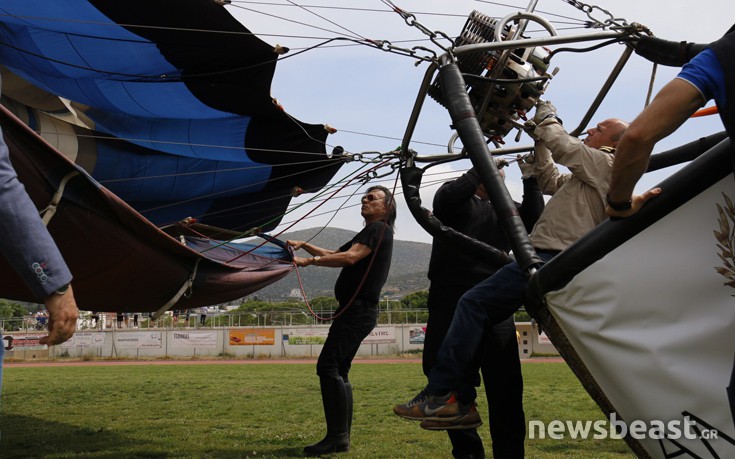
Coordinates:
[424,406]
[470,420]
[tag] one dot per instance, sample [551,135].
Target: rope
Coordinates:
[185,290]
[289,227]
[210,195]
[178,77]
[649,94]
[325,19]
[185,144]
[288,20]
[50,210]
[362,281]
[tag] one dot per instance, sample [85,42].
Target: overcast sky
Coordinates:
[368,94]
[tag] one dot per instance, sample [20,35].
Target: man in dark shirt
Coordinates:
[463,205]
[365,261]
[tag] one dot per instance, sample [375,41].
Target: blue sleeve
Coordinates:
[26,243]
[705,72]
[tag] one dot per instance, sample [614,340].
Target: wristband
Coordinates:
[619,206]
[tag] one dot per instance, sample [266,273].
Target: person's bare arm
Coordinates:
[673,105]
[337,259]
[311,248]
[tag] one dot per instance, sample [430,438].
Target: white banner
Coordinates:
[194,339]
[381,335]
[654,322]
[307,336]
[137,340]
[84,340]
[27,341]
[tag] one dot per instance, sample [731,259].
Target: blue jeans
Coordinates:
[486,304]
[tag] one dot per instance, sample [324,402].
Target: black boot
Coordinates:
[348,392]
[334,399]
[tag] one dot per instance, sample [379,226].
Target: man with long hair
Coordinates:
[365,261]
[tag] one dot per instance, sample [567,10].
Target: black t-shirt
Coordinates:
[377,266]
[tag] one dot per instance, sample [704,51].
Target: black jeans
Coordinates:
[344,339]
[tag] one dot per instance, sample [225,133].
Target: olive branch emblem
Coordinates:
[726,241]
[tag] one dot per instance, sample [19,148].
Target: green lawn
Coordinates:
[250,411]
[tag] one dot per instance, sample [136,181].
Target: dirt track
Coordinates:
[78,363]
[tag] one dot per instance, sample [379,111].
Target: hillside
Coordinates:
[407,272]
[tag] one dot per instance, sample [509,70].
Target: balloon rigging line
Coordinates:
[213,171]
[452,175]
[160,142]
[234,4]
[319,205]
[437,181]
[347,180]
[536,11]
[345,8]
[308,10]
[333,212]
[139,142]
[229,190]
[293,21]
[293,208]
[344,206]
[364,278]
[281,214]
[431,144]
[164,77]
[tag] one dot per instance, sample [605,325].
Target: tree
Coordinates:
[13,311]
[323,303]
[416,300]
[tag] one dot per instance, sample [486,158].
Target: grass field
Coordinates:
[250,411]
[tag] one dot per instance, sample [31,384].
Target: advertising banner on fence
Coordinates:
[194,339]
[252,337]
[84,340]
[27,341]
[139,340]
[307,336]
[381,335]
[416,335]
